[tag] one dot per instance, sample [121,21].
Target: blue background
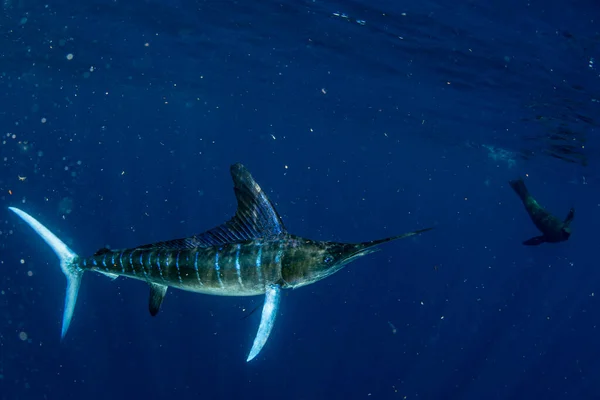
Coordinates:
[361,119]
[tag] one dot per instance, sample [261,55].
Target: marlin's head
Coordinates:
[309,261]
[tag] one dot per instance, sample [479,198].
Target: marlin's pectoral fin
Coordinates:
[157,295]
[535,241]
[267,319]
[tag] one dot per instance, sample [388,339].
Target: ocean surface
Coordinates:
[360,119]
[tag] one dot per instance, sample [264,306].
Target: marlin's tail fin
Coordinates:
[68,264]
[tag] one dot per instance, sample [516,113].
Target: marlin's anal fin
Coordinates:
[535,241]
[267,319]
[157,295]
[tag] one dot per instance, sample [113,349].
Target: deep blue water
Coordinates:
[361,119]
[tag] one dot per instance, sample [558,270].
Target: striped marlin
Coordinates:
[251,254]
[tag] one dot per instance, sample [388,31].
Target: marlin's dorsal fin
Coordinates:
[254,218]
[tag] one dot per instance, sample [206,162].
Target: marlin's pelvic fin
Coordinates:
[267,320]
[67,263]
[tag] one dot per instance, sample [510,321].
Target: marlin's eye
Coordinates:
[328,259]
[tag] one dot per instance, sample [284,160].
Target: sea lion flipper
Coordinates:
[519,187]
[570,217]
[535,241]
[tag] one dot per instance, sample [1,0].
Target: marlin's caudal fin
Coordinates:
[67,263]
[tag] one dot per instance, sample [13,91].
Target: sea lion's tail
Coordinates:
[519,187]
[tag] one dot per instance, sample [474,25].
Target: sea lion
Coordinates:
[553,229]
